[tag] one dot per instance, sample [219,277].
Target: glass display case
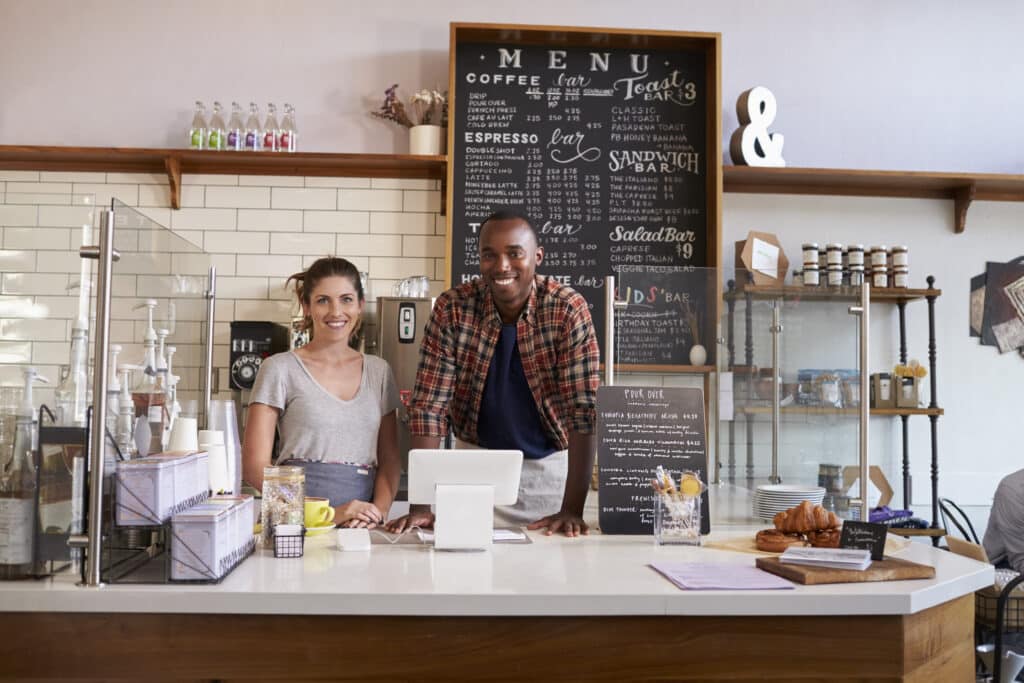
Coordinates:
[793,410]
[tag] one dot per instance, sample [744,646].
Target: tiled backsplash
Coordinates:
[257,230]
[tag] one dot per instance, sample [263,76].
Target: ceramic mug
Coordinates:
[318,512]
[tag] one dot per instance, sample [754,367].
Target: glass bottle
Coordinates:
[288,140]
[215,133]
[236,133]
[197,132]
[18,492]
[253,131]
[271,129]
[71,394]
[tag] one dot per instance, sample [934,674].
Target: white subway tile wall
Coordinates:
[257,230]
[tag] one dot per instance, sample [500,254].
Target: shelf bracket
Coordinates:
[172,165]
[962,198]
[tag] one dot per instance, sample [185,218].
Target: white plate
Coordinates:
[789,489]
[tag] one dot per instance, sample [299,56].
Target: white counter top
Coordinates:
[553,576]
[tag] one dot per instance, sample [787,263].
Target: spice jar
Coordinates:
[834,254]
[879,256]
[284,499]
[856,276]
[855,255]
[880,278]
[900,277]
[811,274]
[835,275]
[900,256]
[810,250]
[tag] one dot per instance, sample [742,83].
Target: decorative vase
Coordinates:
[698,355]
[425,140]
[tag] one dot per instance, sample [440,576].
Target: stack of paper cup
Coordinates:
[183,435]
[222,417]
[212,441]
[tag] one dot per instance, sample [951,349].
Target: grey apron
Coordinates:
[336,481]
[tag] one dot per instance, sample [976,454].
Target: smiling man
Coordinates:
[510,360]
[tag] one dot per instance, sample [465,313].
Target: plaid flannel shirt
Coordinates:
[557,344]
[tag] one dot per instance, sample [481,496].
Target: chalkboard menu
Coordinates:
[608,142]
[638,429]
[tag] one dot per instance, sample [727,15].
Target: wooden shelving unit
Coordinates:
[174,162]
[962,188]
[883,294]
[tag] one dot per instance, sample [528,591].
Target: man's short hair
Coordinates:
[509,215]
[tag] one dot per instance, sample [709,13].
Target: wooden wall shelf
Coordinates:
[174,162]
[962,188]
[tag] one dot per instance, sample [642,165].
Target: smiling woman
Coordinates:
[332,407]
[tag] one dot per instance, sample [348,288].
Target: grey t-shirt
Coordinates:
[1004,537]
[317,425]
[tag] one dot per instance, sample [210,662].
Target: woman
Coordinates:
[333,406]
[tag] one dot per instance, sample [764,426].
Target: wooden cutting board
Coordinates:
[889,569]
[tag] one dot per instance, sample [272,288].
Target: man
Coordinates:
[511,360]
[1004,536]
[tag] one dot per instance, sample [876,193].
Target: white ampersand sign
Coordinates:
[752,144]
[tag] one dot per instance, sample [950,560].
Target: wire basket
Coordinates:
[289,544]
[985,602]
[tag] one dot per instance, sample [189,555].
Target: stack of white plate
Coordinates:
[770,499]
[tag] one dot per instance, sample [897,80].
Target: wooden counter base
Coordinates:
[933,645]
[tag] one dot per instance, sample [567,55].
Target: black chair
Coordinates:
[1004,597]
[951,512]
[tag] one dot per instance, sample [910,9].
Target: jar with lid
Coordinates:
[810,250]
[855,255]
[856,276]
[835,275]
[900,277]
[900,256]
[880,277]
[834,254]
[879,256]
[811,274]
[284,499]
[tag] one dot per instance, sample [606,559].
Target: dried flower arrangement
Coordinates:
[426,107]
[692,319]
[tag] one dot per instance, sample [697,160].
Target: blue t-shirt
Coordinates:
[508,414]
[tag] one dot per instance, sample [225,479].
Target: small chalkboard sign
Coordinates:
[638,429]
[866,536]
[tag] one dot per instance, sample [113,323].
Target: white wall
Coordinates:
[913,85]
[917,84]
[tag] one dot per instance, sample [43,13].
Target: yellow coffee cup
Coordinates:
[318,511]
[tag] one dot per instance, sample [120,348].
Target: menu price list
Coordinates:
[640,428]
[604,150]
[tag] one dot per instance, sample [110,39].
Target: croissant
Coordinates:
[804,518]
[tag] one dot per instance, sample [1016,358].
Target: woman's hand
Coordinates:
[419,515]
[358,514]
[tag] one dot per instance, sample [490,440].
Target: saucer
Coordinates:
[316,530]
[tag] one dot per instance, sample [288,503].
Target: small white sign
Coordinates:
[765,258]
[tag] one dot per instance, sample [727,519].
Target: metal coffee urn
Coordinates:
[251,342]
[401,321]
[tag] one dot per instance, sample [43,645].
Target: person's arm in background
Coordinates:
[428,408]
[578,381]
[258,444]
[1007,520]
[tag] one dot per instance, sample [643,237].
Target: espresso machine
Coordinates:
[251,342]
[400,325]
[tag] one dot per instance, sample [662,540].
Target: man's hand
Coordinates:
[568,523]
[424,519]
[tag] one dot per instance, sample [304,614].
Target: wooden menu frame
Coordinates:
[708,45]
